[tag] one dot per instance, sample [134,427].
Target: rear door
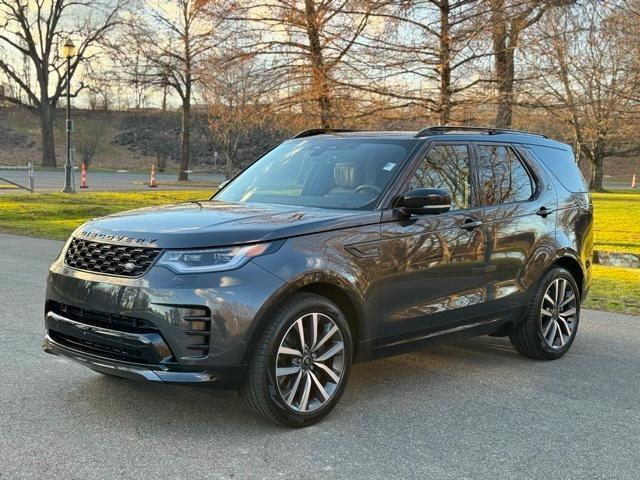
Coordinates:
[518,207]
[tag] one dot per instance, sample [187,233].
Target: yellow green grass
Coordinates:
[615,289]
[617,222]
[56,215]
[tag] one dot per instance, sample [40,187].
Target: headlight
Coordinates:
[210,259]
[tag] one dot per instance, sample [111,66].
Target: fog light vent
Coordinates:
[197,325]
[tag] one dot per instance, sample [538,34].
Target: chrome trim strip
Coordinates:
[442,332]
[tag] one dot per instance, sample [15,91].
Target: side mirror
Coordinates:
[421,201]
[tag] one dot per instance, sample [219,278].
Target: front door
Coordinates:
[433,265]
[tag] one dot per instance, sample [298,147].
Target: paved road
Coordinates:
[53,180]
[474,409]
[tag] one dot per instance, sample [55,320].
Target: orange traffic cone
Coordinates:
[633,181]
[153,183]
[83,178]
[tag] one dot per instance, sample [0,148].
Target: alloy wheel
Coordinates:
[310,362]
[558,313]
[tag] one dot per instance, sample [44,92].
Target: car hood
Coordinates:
[215,223]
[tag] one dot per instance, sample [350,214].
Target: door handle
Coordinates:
[470,224]
[543,212]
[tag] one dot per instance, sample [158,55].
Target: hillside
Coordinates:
[136,139]
[124,140]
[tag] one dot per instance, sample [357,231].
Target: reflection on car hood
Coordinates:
[215,223]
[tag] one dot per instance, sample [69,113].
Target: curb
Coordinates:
[616,259]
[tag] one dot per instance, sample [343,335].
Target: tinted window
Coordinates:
[503,178]
[563,166]
[328,172]
[447,167]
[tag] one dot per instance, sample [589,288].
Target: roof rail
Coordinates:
[425,132]
[319,131]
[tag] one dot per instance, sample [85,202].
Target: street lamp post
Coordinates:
[68,50]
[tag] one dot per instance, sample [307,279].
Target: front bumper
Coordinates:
[86,315]
[223,377]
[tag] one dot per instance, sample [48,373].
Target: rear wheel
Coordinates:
[550,327]
[301,362]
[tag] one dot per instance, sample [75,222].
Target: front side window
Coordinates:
[446,167]
[333,172]
[503,178]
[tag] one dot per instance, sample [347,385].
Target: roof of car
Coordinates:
[479,134]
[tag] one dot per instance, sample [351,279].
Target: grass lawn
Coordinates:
[615,289]
[617,227]
[56,215]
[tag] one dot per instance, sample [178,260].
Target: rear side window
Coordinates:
[563,166]
[503,177]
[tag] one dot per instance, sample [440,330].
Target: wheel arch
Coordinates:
[572,265]
[320,284]
[343,300]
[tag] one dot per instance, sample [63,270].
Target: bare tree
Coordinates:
[35,30]
[585,74]
[131,64]
[509,18]
[178,36]
[235,94]
[434,45]
[308,43]
[99,89]
[89,138]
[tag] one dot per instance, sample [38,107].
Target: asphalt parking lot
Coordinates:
[474,409]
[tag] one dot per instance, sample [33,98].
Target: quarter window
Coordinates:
[446,167]
[503,178]
[563,166]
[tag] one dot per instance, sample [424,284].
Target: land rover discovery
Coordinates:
[335,247]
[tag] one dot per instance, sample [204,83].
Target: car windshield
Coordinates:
[342,173]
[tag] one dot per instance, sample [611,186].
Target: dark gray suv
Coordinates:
[335,247]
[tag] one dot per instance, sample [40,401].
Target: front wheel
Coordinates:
[301,362]
[550,327]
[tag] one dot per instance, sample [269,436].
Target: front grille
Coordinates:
[122,353]
[103,319]
[109,259]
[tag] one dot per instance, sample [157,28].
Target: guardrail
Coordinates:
[28,168]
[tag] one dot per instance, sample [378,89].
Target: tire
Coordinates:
[270,389]
[547,332]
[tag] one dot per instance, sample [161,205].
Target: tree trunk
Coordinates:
[505,75]
[444,67]
[503,52]
[165,87]
[47,115]
[228,167]
[597,173]
[185,140]
[186,107]
[161,160]
[319,72]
